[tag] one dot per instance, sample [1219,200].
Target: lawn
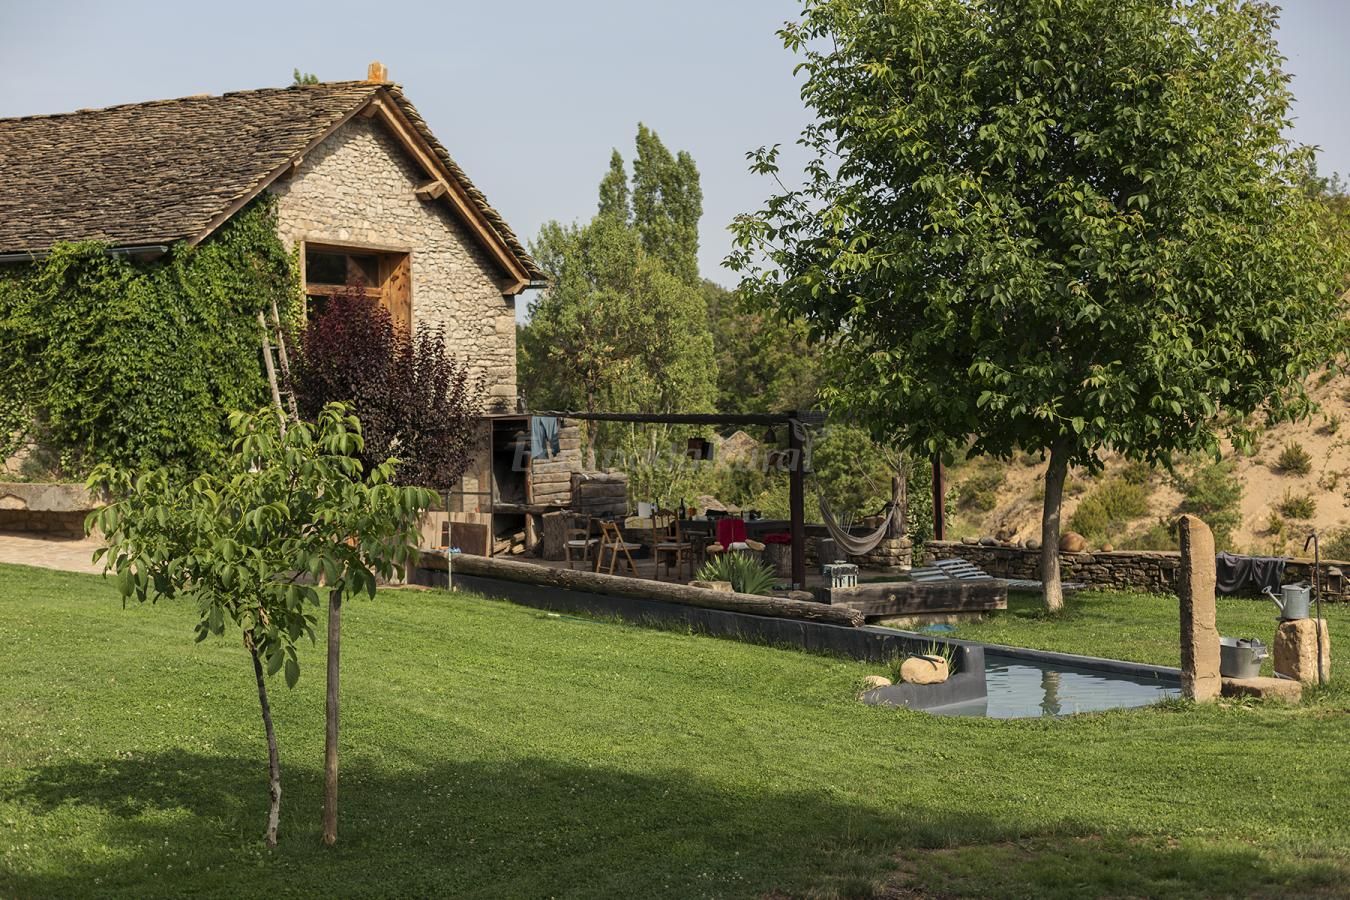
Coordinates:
[1134,626]
[492,750]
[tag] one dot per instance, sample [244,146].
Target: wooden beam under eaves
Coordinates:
[431,190]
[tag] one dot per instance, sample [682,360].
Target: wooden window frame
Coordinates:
[394,291]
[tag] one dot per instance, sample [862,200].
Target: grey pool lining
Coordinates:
[869,643]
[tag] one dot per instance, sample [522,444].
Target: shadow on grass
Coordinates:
[185,823]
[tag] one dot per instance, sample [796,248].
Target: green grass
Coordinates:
[1134,626]
[491,750]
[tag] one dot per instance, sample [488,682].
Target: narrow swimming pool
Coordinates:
[1022,689]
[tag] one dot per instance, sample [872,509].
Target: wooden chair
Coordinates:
[611,539]
[579,539]
[673,548]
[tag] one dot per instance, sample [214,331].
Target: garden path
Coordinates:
[66,554]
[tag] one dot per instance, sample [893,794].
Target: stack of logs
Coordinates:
[600,493]
[551,478]
[510,545]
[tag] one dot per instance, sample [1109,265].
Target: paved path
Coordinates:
[70,555]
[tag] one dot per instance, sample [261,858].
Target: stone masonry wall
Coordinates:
[357,188]
[1144,570]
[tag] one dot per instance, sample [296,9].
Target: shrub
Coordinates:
[1336,544]
[1212,492]
[979,489]
[1108,506]
[1330,426]
[1294,460]
[1136,472]
[415,402]
[1158,536]
[746,574]
[1330,479]
[1297,506]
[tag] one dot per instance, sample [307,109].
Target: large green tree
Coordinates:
[1059,225]
[667,204]
[617,329]
[764,362]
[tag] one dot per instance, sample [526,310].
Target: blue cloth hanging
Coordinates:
[544,437]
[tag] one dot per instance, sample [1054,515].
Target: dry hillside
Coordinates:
[1004,499]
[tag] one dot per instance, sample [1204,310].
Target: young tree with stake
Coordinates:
[253,542]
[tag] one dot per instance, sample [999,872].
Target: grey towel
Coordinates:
[1237,572]
[544,437]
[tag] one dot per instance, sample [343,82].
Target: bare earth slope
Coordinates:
[1325,437]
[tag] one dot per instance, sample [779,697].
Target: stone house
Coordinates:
[362,185]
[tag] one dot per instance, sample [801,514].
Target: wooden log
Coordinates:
[602,490]
[905,598]
[562,478]
[531,530]
[559,469]
[602,478]
[638,589]
[554,530]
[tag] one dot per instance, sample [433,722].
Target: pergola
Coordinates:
[794,421]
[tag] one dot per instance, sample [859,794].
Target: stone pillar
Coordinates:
[1296,650]
[1199,633]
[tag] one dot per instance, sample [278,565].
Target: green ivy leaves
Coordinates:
[104,359]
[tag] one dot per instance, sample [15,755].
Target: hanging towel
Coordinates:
[1256,572]
[730,531]
[544,437]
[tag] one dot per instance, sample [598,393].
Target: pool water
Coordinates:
[1021,689]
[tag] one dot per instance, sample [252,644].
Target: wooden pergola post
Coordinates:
[797,501]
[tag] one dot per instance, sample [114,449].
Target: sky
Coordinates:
[529,96]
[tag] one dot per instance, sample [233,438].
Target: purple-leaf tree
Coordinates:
[417,404]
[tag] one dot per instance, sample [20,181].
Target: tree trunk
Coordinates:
[273,759]
[1054,497]
[330,745]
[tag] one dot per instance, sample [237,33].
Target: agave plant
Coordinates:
[746,574]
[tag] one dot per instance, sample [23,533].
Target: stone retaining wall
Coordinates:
[45,508]
[892,555]
[1145,570]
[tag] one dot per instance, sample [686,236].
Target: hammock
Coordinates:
[852,544]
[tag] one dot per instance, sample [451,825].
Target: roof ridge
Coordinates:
[166,101]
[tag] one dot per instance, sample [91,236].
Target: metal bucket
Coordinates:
[1240,657]
[1293,600]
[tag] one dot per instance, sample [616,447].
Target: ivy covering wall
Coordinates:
[103,358]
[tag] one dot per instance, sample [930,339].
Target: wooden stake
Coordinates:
[330,744]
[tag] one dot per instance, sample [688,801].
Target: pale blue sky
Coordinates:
[529,96]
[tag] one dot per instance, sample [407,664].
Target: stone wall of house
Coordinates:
[1144,570]
[357,188]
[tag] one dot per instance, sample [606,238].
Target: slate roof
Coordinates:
[158,172]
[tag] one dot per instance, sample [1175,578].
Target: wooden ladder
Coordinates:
[275,360]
